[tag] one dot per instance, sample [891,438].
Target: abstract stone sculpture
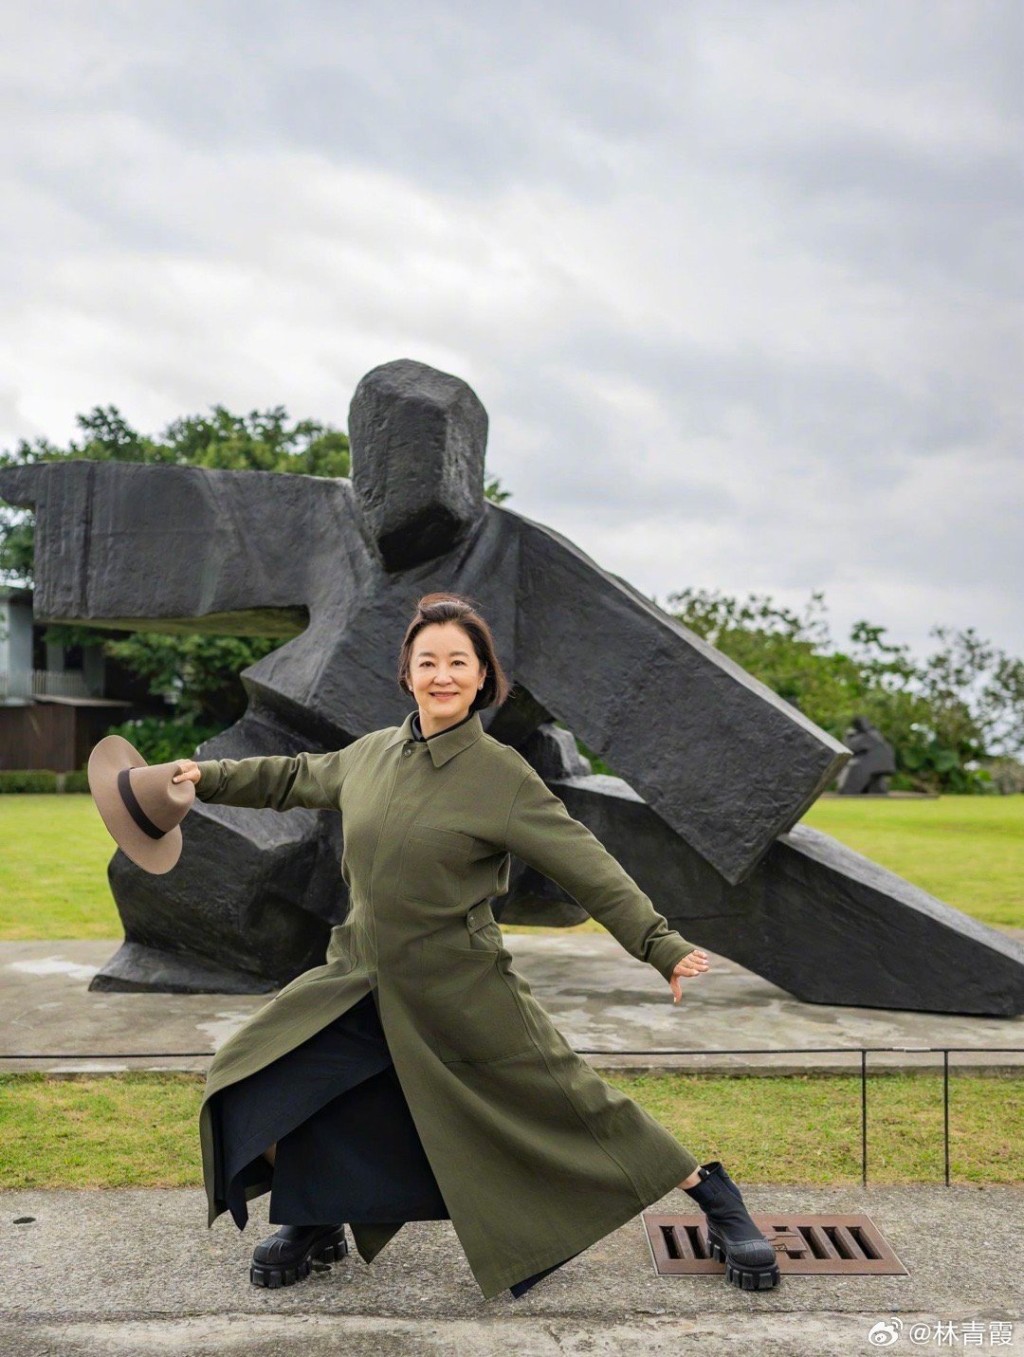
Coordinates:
[718,769]
[867,773]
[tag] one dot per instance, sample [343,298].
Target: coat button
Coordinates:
[407,751]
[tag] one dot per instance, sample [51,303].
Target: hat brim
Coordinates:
[112,754]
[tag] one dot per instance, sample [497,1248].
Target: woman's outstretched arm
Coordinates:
[542,832]
[272,781]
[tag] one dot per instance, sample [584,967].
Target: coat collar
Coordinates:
[447,743]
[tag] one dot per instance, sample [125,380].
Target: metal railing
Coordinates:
[584,1050]
[43,683]
[846,1050]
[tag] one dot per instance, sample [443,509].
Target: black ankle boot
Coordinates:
[733,1238]
[287,1256]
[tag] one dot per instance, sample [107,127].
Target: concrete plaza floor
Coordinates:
[598,996]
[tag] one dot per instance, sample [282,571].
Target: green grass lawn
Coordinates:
[53,869]
[967,850]
[141,1130]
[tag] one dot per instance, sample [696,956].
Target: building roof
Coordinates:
[80,701]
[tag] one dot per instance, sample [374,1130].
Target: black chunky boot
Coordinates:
[287,1256]
[733,1238]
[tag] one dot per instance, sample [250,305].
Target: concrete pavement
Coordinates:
[119,1272]
[598,996]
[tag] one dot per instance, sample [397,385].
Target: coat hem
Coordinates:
[571,1245]
[575,1243]
[215,1206]
[268,1041]
[256,1054]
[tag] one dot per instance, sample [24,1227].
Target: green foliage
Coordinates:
[197,674]
[34,780]
[263,440]
[494,492]
[963,704]
[27,780]
[162,739]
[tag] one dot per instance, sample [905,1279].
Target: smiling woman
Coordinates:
[417,1025]
[441,668]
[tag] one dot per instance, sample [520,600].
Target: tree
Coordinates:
[944,716]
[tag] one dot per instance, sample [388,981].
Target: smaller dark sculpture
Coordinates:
[873,760]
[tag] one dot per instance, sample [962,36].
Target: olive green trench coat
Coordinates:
[535,1155]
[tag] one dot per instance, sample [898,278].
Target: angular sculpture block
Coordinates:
[815,918]
[724,760]
[417,438]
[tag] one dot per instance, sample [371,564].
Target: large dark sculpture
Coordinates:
[718,769]
[868,772]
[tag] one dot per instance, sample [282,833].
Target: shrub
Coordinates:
[27,780]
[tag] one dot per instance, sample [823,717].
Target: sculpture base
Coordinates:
[135,967]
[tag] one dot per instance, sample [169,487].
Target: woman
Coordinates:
[414,1076]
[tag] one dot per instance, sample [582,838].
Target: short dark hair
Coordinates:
[449,607]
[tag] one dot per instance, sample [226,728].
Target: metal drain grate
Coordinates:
[803,1244]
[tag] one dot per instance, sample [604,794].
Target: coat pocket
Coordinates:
[433,864]
[467,1005]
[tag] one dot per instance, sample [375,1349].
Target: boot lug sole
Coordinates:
[746,1278]
[264,1274]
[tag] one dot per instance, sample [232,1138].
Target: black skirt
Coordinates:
[347,1147]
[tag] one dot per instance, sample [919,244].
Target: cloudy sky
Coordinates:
[738,283]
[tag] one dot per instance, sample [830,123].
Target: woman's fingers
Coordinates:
[187,771]
[694,963]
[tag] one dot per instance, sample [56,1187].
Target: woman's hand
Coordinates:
[694,963]
[188,771]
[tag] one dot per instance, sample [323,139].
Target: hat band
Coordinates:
[124,786]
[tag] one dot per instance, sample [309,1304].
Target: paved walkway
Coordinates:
[597,995]
[133,1272]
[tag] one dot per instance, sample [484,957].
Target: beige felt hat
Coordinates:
[140,805]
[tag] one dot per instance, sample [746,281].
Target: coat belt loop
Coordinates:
[479,915]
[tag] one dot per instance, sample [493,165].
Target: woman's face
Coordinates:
[445,675]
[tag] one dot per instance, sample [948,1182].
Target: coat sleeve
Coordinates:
[542,832]
[275,781]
